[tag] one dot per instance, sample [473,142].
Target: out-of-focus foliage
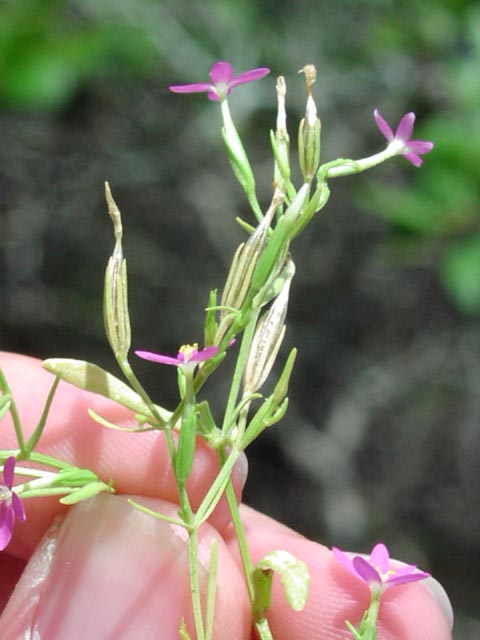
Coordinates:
[439,218]
[49,49]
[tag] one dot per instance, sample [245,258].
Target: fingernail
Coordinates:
[111,574]
[440,595]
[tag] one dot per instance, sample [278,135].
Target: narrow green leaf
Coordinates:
[75,476]
[86,492]
[281,388]
[186,444]
[211,326]
[353,631]
[211,590]
[111,425]
[184,635]
[5,402]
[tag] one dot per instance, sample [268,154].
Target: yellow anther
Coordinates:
[188,351]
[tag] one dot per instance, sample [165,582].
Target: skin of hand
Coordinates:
[103,569]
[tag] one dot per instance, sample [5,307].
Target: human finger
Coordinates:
[407,612]
[137,463]
[107,570]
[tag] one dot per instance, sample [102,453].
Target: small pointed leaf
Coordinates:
[5,402]
[184,635]
[88,491]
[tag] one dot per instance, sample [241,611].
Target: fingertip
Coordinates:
[109,569]
[407,612]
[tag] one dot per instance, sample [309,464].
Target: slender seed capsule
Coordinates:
[243,266]
[115,300]
[268,337]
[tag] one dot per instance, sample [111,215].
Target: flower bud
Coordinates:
[115,299]
[281,172]
[309,131]
[268,336]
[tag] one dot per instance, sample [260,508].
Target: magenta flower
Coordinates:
[187,355]
[377,570]
[402,138]
[11,506]
[223,81]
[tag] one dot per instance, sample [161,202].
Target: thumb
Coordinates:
[107,570]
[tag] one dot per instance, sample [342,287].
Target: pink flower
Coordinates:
[402,138]
[223,81]
[11,506]
[187,355]
[377,570]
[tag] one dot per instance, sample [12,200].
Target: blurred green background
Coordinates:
[382,438]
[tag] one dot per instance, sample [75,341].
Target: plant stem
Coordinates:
[35,437]
[262,627]
[238,373]
[17,425]
[195,583]
[132,378]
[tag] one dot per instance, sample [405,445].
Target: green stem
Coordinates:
[241,538]
[239,160]
[238,374]
[217,488]
[35,437]
[195,583]
[367,630]
[347,167]
[17,425]
[262,627]
[132,378]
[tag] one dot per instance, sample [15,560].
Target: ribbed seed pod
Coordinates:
[115,298]
[268,337]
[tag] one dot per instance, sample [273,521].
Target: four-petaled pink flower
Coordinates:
[187,355]
[377,571]
[223,81]
[11,506]
[402,138]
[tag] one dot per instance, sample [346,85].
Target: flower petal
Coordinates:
[6,524]
[343,559]
[365,570]
[407,577]
[158,357]
[221,72]
[383,125]
[404,570]
[213,95]
[18,508]
[191,88]
[8,471]
[205,354]
[419,146]
[249,76]
[380,557]
[413,158]
[405,128]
